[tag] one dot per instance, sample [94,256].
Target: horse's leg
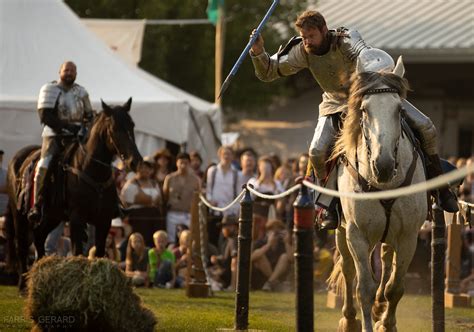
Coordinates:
[380,301]
[41,233]
[77,233]
[22,231]
[366,287]
[348,323]
[101,232]
[395,286]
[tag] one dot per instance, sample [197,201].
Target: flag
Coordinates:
[213,10]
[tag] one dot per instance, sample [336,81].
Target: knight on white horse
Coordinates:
[331,56]
[378,155]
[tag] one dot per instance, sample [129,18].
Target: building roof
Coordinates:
[421,30]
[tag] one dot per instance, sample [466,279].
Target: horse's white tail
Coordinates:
[336,279]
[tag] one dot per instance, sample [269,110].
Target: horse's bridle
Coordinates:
[363,128]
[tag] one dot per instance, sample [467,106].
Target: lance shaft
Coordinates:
[244,53]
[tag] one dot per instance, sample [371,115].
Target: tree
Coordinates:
[184,55]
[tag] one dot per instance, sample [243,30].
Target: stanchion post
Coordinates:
[196,285]
[438,247]
[303,231]
[243,262]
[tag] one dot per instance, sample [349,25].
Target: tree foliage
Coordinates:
[184,55]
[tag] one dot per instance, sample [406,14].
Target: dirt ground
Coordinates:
[285,129]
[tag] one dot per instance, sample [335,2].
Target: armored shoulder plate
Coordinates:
[80,91]
[48,95]
[286,49]
[350,42]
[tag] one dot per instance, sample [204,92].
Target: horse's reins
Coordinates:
[99,187]
[387,204]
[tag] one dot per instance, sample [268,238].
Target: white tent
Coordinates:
[37,36]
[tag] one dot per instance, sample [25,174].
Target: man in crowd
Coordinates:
[178,190]
[222,188]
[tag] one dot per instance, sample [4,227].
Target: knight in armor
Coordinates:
[331,57]
[63,108]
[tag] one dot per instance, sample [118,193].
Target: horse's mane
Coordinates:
[103,123]
[361,82]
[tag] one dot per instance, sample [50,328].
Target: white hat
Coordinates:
[117,222]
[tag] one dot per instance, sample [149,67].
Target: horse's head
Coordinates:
[380,117]
[120,135]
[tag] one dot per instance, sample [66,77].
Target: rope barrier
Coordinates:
[404,191]
[222,209]
[393,193]
[277,196]
[466,204]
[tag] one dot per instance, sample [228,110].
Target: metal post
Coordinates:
[303,231]
[243,262]
[438,247]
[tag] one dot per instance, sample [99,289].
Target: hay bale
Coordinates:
[89,295]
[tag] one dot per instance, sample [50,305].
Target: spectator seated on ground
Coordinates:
[111,251]
[271,257]
[162,262]
[181,254]
[136,262]
[225,263]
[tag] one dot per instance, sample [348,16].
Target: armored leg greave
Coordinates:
[323,140]
[423,126]
[447,200]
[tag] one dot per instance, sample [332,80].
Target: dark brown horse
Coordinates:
[88,192]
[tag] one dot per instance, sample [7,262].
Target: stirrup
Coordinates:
[330,220]
[34,215]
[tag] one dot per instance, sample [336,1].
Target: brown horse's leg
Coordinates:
[41,233]
[101,232]
[380,301]
[78,234]
[22,248]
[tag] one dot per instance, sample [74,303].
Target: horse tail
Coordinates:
[336,279]
[11,259]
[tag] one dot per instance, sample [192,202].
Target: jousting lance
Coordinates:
[242,56]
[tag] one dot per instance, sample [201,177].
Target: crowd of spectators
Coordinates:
[151,241]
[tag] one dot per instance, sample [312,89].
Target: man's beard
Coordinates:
[68,80]
[322,49]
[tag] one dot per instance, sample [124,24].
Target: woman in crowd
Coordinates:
[142,196]
[264,208]
[136,262]
[111,251]
[164,165]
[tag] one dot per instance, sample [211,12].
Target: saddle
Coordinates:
[54,194]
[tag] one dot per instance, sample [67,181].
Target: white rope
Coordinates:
[404,191]
[466,204]
[278,196]
[222,209]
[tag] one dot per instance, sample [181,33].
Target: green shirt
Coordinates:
[166,255]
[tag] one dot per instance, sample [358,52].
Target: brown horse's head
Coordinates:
[117,124]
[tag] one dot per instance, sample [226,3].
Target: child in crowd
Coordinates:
[136,262]
[162,262]
[181,255]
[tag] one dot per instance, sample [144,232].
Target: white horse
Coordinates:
[377,155]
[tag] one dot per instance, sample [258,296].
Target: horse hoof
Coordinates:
[379,327]
[349,325]
[377,310]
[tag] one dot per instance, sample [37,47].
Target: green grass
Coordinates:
[268,311]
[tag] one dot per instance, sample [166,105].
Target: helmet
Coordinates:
[374,59]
